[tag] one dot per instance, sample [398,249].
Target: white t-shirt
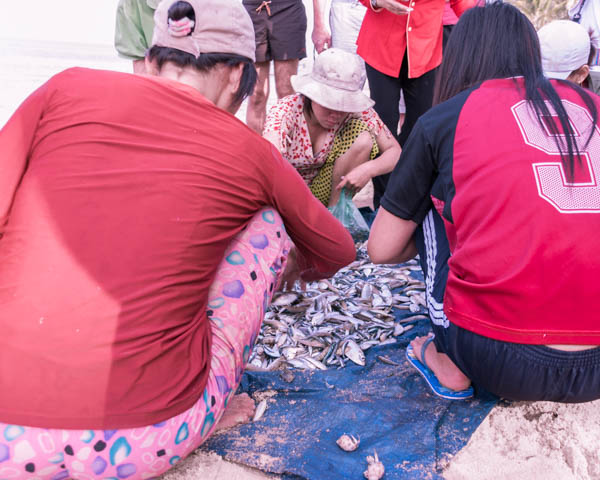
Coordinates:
[590,18]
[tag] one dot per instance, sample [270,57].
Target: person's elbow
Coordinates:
[385,248]
[343,255]
[396,151]
[348,251]
[391,239]
[390,154]
[379,256]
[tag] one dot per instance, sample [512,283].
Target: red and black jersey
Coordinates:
[517,243]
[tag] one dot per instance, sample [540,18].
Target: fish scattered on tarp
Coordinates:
[333,321]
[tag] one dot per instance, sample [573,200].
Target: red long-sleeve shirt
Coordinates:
[119,195]
[384,37]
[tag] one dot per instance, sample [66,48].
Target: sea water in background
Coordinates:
[27,64]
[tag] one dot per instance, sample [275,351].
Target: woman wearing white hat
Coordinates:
[328,130]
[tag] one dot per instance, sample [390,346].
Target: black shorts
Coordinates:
[522,372]
[282,34]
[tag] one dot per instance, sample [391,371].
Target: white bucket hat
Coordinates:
[335,82]
[565,47]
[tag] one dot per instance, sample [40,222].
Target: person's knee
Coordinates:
[284,88]
[283,73]
[364,141]
[259,97]
[363,145]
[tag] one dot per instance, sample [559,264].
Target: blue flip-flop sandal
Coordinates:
[431,379]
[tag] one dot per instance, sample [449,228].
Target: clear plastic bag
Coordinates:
[347,213]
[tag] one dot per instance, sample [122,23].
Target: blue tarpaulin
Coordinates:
[390,407]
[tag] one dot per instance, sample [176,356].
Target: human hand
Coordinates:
[321,39]
[394,6]
[356,179]
[291,275]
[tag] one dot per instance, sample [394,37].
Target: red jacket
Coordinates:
[384,36]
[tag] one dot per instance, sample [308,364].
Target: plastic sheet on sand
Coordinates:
[389,407]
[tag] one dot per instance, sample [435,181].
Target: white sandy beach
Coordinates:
[533,441]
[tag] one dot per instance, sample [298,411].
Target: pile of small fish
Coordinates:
[334,321]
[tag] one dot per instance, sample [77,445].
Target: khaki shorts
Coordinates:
[280,35]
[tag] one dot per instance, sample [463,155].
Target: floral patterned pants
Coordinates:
[243,286]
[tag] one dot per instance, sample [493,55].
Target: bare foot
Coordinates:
[240,409]
[448,374]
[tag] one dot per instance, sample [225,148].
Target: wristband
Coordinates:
[374,6]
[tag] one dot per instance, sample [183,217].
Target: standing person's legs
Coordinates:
[287,39]
[284,69]
[418,98]
[243,286]
[256,112]
[385,90]
[257,103]
[345,20]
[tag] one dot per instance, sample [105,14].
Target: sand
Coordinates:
[210,466]
[540,440]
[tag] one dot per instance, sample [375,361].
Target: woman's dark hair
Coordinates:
[205,61]
[180,10]
[308,106]
[498,41]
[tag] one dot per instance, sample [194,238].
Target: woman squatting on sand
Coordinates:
[498,191]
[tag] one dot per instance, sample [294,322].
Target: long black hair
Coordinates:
[205,61]
[498,41]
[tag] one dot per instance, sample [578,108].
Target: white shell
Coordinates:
[375,468]
[348,442]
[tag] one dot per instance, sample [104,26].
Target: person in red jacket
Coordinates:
[143,232]
[498,190]
[401,44]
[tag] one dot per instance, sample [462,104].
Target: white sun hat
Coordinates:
[565,47]
[335,82]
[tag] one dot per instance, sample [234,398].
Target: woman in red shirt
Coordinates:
[142,235]
[498,189]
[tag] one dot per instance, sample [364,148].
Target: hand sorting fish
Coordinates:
[332,322]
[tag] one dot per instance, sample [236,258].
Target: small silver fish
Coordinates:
[260,410]
[285,299]
[354,352]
